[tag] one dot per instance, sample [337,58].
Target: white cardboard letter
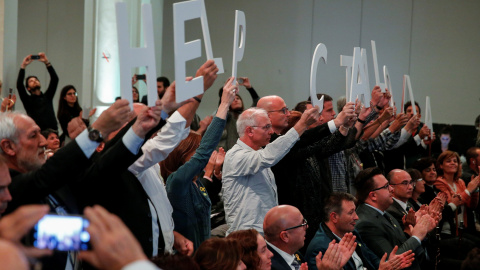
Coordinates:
[359,83]
[406,83]
[206,38]
[238,48]
[347,61]
[136,57]
[320,53]
[388,84]
[428,117]
[182,12]
[375,67]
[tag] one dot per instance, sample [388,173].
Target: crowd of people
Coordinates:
[246,188]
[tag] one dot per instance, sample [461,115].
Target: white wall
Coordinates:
[434,41]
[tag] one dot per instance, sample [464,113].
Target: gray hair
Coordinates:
[249,118]
[8,129]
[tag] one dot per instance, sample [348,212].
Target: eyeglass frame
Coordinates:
[266,127]
[284,110]
[305,223]
[405,183]
[387,185]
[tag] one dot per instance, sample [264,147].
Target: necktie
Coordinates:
[295,265]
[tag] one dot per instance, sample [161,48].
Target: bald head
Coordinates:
[277,112]
[278,219]
[11,257]
[402,184]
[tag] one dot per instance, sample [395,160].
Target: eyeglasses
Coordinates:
[383,187]
[266,127]
[284,110]
[405,183]
[305,223]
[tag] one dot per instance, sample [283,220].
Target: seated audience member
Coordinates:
[230,134]
[418,189]
[189,199]
[339,226]
[285,228]
[69,108]
[220,254]
[403,186]
[53,142]
[248,184]
[426,166]
[380,231]
[256,255]
[38,105]
[461,199]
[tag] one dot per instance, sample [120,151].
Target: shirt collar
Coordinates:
[287,257]
[402,204]
[378,210]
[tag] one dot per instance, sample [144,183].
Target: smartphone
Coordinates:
[141,77]
[35,57]
[10,93]
[61,232]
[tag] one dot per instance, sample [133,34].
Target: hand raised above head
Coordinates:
[169,103]
[209,72]
[113,118]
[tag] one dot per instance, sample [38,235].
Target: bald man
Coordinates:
[403,187]
[285,229]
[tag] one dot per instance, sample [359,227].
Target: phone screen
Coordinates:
[61,233]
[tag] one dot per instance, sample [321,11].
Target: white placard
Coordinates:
[428,116]
[406,83]
[388,85]
[347,61]
[136,57]
[359,83]
[320,53]
[184,52]
[206,38]
[375,68]
[238,41]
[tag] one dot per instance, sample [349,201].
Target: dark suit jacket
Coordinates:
[324,236]
[398,212]
[381,236]
[278,263]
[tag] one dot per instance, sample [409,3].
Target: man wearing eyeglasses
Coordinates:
[285,230]
[403,186]
[380,231]
[248,184]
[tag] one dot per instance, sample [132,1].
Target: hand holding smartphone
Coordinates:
[61,232]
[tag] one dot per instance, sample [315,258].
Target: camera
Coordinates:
[61,232]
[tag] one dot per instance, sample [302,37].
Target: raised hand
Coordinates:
[308,117]
[209,72]
[168,100]
[246,82]
[147,119]
[210,166]
[26,61]
[113,118]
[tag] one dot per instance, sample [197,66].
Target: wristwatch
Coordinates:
[94,135]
